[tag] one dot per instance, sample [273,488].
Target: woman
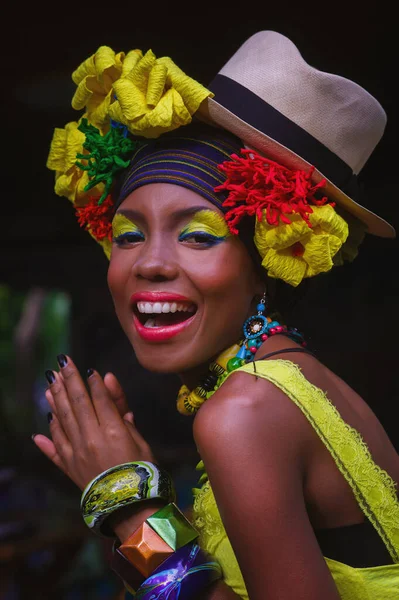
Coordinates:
[299,490]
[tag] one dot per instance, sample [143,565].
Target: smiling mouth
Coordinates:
[153,315]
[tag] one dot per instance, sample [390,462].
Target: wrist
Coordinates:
[126,520]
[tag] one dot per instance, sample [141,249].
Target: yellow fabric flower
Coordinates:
[294,251]
[70,180]
[95,78]
[357,232]
[148,95]
[155,96]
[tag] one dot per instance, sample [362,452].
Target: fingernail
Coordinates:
[49,417]
[62,360]
[90,372]
[33,436]
[50,376]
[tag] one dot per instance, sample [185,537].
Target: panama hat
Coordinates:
[279,105]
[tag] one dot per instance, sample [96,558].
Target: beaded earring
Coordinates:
[257,329]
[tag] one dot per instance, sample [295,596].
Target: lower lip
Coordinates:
[160,334]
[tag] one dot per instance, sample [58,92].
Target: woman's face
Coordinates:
[182,286]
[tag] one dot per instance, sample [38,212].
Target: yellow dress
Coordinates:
[374,490]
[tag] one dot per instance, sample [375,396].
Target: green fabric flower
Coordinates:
[107,155]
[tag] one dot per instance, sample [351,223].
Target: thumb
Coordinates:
[129,418]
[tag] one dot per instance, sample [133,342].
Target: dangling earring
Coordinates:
[257,329]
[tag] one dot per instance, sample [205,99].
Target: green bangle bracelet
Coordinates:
[121,486]
[172,526]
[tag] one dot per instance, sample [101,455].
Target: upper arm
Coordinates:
[250,437]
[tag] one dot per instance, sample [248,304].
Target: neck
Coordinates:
[191,377]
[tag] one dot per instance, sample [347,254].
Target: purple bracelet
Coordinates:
[181,576]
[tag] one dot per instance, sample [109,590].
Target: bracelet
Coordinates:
[181,576]
[120,486]
[157,538]
[132,579]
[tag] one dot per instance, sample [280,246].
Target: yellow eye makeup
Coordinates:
[125,231]
[207,227]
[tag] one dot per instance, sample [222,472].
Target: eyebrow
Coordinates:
[178,214]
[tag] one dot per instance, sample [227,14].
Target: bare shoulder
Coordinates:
[256,409]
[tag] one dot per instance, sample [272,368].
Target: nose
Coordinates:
[155,262]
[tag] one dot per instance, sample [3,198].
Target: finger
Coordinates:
[63,408]
[129,417]
[117,394]
[48,448]
[138,438]
[60,439]
[78,396]
[106,410]
[50,400]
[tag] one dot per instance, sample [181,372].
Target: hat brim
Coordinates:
[215,113]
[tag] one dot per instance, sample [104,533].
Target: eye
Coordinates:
[200,238]
[130,237]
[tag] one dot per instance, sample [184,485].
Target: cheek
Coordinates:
[117,276]
[227,272]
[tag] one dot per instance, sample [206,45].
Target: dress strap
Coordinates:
[284,351]
[374,489]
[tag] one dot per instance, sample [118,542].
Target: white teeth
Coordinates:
[164,307]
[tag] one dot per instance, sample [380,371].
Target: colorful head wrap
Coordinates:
[137,128]
[189,158]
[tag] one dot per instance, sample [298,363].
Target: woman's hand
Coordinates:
[89,431]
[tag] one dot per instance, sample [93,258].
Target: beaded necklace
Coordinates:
[257,329]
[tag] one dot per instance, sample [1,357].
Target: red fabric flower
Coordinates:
[97,218]
[256,183]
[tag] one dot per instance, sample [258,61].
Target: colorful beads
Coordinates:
[261,307]
[255,326]
[219,366]
[235,363]
[189,402]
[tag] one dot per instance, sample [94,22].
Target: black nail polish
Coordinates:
[50,376]
[62,360]
[90,372]
[33,436]
[49,417]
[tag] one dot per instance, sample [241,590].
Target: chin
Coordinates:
[165,360]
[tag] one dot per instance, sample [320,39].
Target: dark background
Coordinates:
[348,316]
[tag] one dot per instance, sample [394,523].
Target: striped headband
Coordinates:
[189,159]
